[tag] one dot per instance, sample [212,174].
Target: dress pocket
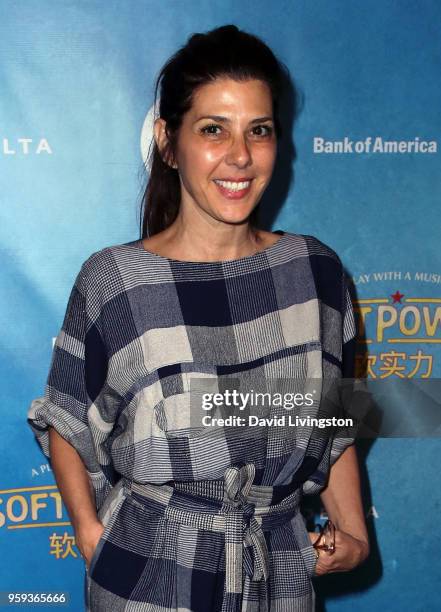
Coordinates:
[306,548]
[107,514]
[96,552]
[144,518]
[186,414]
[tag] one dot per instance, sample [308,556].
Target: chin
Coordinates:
[236,212]
[235,218]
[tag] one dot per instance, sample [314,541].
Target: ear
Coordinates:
[162,142]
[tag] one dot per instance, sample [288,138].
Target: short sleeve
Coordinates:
[76,378]
[340,442]
[348,335]
[340,439]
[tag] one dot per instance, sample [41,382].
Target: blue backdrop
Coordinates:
[76,85]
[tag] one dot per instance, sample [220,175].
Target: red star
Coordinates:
[397,297]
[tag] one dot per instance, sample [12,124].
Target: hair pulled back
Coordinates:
[223,52]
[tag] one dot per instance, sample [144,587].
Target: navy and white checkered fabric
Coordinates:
[197,519]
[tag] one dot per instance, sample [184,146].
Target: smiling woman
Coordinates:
[225,153]
[215,147]
[171,515]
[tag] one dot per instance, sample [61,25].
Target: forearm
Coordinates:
[72,481]
[342,496]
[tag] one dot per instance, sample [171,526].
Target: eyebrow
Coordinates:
[221,119]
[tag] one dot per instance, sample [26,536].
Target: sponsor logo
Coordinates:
[25,146]
[39,507]
[373,144]
[399,330]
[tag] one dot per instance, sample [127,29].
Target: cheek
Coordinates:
[264,159]
[200,166]
[209,156]
[196,170]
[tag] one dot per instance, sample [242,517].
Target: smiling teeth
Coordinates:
[233,186]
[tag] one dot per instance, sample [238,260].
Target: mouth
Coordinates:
[233,190]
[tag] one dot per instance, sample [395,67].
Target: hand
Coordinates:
[87,538]
[349,552]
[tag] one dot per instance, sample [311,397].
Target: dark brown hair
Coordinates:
[223,52]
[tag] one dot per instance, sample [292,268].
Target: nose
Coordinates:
[239,153]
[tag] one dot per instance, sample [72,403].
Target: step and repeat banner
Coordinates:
[76,93]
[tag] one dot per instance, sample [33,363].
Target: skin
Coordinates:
[210,227]
[73,483]
[342,501]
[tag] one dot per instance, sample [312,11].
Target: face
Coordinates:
[226,149]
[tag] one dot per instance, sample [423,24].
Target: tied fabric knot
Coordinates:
[245,544]
[238,481]
[247,512]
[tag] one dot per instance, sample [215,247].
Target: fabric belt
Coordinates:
[233,506]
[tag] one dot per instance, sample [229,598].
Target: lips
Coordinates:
[233,189]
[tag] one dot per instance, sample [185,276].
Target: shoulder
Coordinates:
[325,266]
[313,246]
[101,270]
[315,249]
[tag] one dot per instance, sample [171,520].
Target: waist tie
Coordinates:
[233,506]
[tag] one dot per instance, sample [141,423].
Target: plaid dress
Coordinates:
[198,518]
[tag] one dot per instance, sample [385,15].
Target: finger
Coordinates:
[327,563]
[322,565]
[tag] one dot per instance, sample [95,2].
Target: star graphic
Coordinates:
[397,297]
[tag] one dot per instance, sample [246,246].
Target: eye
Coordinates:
[211,129]
[263,131]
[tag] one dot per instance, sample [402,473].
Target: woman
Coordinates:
[194,517]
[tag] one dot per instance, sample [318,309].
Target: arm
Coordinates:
[342,496]
[73,484]
[342,501]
